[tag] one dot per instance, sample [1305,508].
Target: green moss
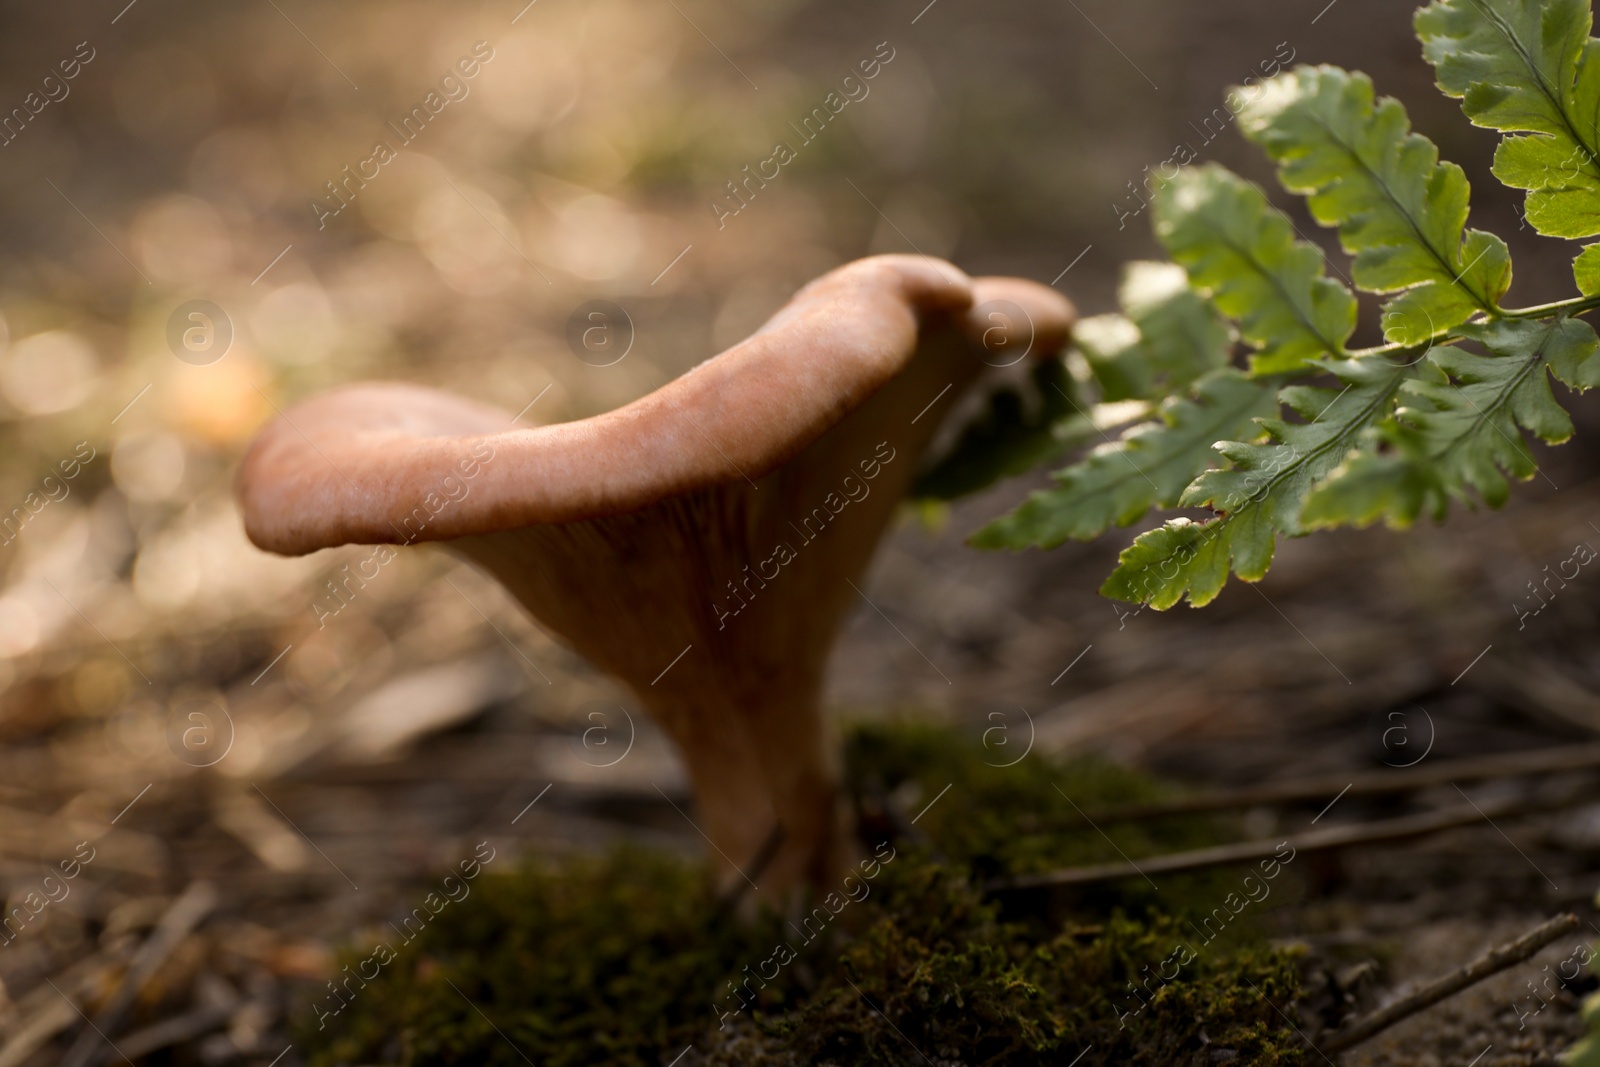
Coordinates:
[961,985]
[619,959]
[595,960]
[1036,816]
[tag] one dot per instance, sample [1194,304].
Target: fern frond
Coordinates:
[1528,67]
[1242,252]
[1150,465]
[1399,210]
[1170,335]
[1458,429]
[1260,497]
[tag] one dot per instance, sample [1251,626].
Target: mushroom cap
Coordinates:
[348,465]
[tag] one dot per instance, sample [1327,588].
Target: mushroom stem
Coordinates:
[750,583]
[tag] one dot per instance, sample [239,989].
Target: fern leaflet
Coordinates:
[1168,338]
[1150,465]
[1400,211]
[1261,496]
[1457,427]
[1528,67]
[1241,251]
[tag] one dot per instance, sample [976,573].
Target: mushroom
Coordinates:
[701,543]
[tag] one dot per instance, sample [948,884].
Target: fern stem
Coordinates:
[1575,306]
[1397,349]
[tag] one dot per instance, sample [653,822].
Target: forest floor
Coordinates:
[255,791]
[329,816]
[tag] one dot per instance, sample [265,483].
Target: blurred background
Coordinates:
[166,691]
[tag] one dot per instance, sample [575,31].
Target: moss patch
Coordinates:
[623,959]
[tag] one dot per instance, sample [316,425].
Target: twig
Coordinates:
[44,1024]
[1369,783]
[764,855]
[173,1031]
[1248,851]
[1542,689]
[1492,962]
[184,914]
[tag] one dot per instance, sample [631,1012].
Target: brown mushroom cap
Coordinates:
[348,465]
